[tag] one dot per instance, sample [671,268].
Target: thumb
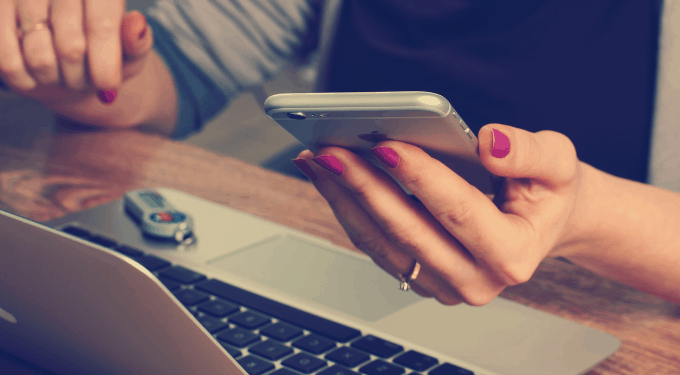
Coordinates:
[547,156]
[137,38]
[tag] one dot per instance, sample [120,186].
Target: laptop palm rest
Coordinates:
[353,286]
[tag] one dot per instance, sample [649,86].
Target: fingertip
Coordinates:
[134,30]
[305,154]
[107,96]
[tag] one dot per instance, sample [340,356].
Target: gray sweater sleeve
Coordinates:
[215,48]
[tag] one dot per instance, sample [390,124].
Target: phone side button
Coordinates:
[467,131]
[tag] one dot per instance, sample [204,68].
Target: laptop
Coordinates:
[90,294]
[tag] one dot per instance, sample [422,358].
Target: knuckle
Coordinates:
[447,300]
[41,62]
[412,180]
[564,154]
[514,275]
[474,297]
[74,52]
[374,246]
[526,161]
[456,214]
[406,237]
[101,24]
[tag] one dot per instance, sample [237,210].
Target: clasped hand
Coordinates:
[67,50]
[469,247]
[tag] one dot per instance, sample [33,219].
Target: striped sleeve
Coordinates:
[216,48]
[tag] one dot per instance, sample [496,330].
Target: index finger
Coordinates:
[463,210]
[103,20]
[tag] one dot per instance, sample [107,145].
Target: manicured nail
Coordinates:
[304,168]
[141,35]
[329,163]
[500,144]
[386,155]
[107,97]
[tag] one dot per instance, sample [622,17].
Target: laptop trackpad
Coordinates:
[353,286]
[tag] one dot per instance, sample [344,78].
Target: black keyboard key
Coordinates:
[281,331]
[182,275]
[218,308]
[271,350]
[211,324]
[233,352]
[377,346]
[380,367]
[254,365]
[238,337]
[171,285]
[194,311]
[249,319]
[304,363]
[129,251]
[316,324]
[190,297]
[314,344]
[152,263]
[77,231]
[337,370]
[348,357]
[284,371]
[415,360]
[449,369]
[102,241]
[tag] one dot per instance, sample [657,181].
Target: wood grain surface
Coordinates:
[48,174]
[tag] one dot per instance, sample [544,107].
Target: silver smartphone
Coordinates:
[357,121]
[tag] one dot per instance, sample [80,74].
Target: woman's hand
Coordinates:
[469,247]
[76,53]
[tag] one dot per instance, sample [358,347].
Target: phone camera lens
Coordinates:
[297,115]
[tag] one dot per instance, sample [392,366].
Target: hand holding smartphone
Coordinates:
[357,121]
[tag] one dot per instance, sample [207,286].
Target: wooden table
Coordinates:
[50,173]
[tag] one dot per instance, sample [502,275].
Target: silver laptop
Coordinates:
[89,294]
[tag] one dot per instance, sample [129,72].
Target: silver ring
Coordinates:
[405,283]
[42,24]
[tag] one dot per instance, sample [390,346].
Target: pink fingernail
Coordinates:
[107,97]
[302,166]
[141,35]
[386,155]
[500,144]
[329,163]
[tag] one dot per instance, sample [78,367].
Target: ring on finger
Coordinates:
[405,283]
[42,24]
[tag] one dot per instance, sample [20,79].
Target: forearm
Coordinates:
[149,100]
[628,232]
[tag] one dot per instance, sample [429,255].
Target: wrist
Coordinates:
[584,227]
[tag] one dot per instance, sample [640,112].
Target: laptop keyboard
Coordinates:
[268,337]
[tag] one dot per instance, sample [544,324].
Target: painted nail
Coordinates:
[500,144]
[141,35]
[329,163]
[304,168]
[107,97]
[386,155]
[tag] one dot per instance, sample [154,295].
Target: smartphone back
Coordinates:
[357,121]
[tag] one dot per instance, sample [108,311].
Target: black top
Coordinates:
[583,68]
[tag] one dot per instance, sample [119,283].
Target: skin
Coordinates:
[93,45]
[470,248]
